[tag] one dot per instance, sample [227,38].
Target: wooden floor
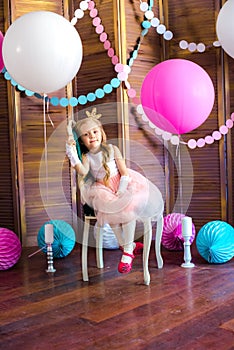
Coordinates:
[181,309]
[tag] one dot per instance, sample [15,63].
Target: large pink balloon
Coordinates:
[177,95]
[1,58]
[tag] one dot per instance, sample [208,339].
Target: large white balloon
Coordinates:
[225,27]
[42,51]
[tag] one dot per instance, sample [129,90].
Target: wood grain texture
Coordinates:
[180,309]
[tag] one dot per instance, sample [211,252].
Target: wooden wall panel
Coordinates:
[195,22]
[147,152]
[8,210]
[189,20]
[7,217]
[44,183]
[144,152]
[97,68]
[41,177]
[230,147]
[149,53]
[96,71]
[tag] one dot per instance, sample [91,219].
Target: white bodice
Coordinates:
[96,167]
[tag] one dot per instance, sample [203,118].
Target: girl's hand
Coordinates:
[71,142]
[123,184]
[72,153]
[70,126]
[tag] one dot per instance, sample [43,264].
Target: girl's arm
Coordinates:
[120,162]
[82,168]
[121,165]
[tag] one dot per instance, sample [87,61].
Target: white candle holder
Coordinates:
[49,239]
[187,233]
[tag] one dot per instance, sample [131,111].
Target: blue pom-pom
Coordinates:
[64,238]
[215,242]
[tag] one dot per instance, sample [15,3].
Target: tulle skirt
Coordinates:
[141,200]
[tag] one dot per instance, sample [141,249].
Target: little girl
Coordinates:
[118,195]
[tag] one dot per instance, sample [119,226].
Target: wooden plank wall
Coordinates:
[37,204]
[97,68]
[195,22]
[192,21]
[201,191]
[7,210]
[147,152]
[230,149]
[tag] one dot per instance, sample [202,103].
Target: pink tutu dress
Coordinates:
[141,200]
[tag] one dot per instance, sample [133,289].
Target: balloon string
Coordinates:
[37,251]
[45,146]
[47,110]
[180,182]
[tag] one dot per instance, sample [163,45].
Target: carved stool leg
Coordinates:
[158,240]
[146,250]
[99,248]
[85,249]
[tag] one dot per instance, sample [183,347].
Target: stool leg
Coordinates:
[99,246]
[146,250]
[158,239]
[85,249]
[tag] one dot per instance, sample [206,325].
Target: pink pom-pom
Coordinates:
[115,60]
[103,37]
[209,140]
[201,142]
[172,238]
[96,21]
[122,76]
[99,29]
[223,129]
[229,123]
[110,52]
[131,93]
[91,5]
[93,13]
[10,248]
[107,45]
[192,143]
[216,135]
[119,67]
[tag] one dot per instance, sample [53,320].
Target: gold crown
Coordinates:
[93,114]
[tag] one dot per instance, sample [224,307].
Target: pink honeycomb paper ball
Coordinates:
[10,248]
[172,238]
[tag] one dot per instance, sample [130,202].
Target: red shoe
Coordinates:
[125,267]
[138,250]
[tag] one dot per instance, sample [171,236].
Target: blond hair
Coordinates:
[105,148]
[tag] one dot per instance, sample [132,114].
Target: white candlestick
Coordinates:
[187,233]
[49,233]
[186,226]
[49,239]
[50,258]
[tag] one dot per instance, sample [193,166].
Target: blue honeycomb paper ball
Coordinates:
[64,238]
[215,242]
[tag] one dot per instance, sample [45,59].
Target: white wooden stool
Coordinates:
[99,246]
